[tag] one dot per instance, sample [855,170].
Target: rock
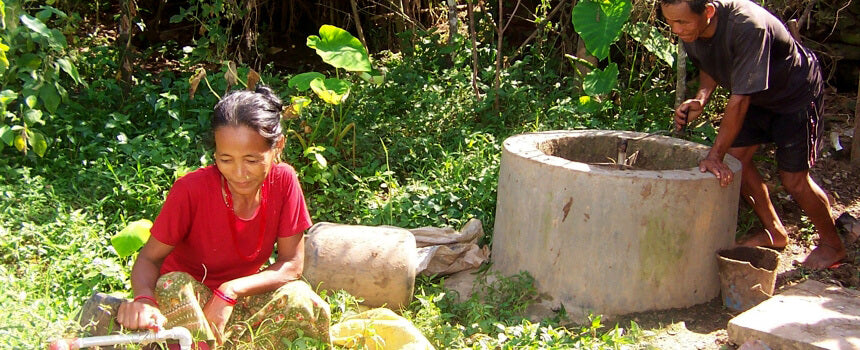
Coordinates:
[811,315]
[463,283]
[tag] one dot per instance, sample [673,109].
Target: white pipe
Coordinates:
[180,333]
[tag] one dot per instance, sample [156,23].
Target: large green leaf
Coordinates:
[54,36]
[29,62]
[3,49]
[33,116]
[303,81]
[36,25]
[70,69]
[332,90]
[31,101]
[131,238]
[599,23]
[38,142]
[654,41]
[50,96]
[599,82]
[340,49]
[7,96]
[7,135]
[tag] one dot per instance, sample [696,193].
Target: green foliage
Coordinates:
[340,49]
[601,82]
[211,22]
[426,153]
[653,40]
[32,60]
[599,23]
[493,318]
[131,238]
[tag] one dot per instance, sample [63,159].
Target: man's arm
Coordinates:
[730,125]
[693,108]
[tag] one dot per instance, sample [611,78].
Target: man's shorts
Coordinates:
[797,135]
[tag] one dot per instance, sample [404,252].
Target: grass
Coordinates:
[427,155]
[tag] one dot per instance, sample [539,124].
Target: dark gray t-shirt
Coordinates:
[752,53]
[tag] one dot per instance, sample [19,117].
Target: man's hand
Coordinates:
[718,168]
[140,314]
[687,112]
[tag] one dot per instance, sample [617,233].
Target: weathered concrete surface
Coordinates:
[811,315]
[375,263]
[612,241]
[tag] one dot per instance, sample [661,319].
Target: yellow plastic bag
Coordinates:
[378,329]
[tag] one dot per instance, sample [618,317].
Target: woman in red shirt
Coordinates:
[201,267]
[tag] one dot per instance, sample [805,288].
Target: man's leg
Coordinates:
[814,203]
[754,191]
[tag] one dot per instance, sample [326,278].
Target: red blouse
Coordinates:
[196,222]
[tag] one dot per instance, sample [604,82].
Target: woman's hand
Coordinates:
[217,312]
[140,314]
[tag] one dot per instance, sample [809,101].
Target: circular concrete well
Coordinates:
[607,239]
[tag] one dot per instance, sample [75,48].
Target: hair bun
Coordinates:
[270,95]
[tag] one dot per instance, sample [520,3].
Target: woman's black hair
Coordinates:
[697,6]
[259,110]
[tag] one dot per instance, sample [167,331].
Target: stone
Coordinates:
[811,315]
[463,283]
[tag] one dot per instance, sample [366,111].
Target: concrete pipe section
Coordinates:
[610,237]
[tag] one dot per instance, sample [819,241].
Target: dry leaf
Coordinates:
[253,79]
[231,74]
[195,80]
[289,113]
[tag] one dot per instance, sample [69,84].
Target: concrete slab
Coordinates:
[811,315]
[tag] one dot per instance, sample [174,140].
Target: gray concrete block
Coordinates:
[811,315]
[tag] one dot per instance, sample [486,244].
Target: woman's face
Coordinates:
[244,157]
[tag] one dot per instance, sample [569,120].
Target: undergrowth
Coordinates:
[428,153]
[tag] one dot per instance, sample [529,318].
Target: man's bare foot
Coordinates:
[824,256]
[760,237]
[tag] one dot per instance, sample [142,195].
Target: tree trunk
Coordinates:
[474,40]
[500,31]
[358,24]
[126,32]
[452,21]
[855,141]
[681,81]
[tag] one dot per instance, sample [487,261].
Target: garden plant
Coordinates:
[393,134]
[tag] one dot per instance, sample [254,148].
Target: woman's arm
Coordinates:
[288,267]
[144,312]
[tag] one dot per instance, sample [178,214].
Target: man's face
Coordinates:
[687,24]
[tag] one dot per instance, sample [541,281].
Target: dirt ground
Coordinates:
[704,326]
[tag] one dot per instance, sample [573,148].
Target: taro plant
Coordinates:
[345,53]
[32,59]
[599,23]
